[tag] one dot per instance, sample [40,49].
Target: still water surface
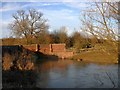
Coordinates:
[74,74]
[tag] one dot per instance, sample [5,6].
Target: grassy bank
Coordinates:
[96,57]
[96,54]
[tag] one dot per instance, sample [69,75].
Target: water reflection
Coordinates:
[73,74]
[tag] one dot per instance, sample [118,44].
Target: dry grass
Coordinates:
[96,54]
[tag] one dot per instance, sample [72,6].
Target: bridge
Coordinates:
[50,49]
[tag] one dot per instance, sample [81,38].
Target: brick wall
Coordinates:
[65,54]
[50,49]
[58,47]
[60,51]
[44,48]
[32,47]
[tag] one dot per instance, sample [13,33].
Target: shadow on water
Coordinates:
[44,57]
[19,79]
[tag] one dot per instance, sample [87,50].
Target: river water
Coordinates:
[74,74]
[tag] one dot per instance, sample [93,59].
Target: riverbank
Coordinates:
[96,56]
[101,53]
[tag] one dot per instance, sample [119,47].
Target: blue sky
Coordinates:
[58,14]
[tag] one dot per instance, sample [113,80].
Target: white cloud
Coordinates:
[4,32]
[63,14]
[16,6]
[4,23]
[78,5]
[38,4]
[59,0]
[63,17]
[9,7]
[46,4]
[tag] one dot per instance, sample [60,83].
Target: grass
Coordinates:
[96,54]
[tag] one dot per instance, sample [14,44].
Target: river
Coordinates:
[74,74]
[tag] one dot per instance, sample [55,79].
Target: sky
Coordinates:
[63,13]
[58,14]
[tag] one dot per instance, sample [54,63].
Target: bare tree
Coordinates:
[28,25]
[101,21]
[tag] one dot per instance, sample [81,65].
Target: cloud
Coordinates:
[15,6]
[4,32]
[40,4]
[4,23]
[77,5]
[63,14]
[59,1]
[63,17]
[39,0]
[46,4]
[9,7]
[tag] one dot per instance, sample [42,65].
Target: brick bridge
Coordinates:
[50,49]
